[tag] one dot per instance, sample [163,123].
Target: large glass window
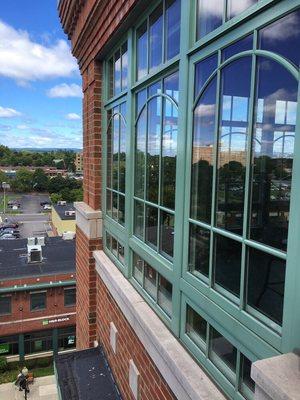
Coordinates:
[155,285]
[155,164]
[37,342]
[118,71]
[70,297]
[9,345]
[213,13]
[5,305]
[66,338]
[158,38]
[116,163]
[38,301]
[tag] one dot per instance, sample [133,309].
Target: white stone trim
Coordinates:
[88,220]
[184,376]
[277,378]
[134,377]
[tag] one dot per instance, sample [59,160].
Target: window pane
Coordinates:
[223,349]
[116,128]
[203,70]
[140,155]
[265,287]
[153,149]
[173,11]
[199,250]
[245,373]
[283,37]
[111,77]
[122,155]
[151,225]
[237,47]
[202,161]
[165,295]
[196,327]
[138,268]
[273,148]
[209,17]
[5,305]
[114,246]
[169,142]
[115,206]
[142,50]
[117,73]
[235,7]
[124,66]
[139,219]
[121,209]
[108,240]
[228,264]
[108,203]
[156,35]
[121,253]
[37,301]
[167,233]
[235,81]
[150,280]
[70,297]
[141,98]
[153,89]
[109,149]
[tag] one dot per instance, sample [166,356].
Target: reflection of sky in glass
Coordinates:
[209,16]
[123,128]
[237,47]
[173,28]
[124,67]
[156,29]
[142,47]
[117,73]
[154,126]
[203,70]
[235,7]
[233,140]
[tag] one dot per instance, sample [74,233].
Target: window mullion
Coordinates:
[160,170]
[145,170]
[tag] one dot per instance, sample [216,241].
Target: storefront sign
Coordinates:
[55,320]
[4,348]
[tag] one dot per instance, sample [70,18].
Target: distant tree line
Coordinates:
[61,159]
[68,189]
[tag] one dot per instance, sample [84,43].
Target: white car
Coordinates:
[47,207]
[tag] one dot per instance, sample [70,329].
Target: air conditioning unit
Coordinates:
[31,241]
[34,254]
[69,213]
[68,235]
[41,241]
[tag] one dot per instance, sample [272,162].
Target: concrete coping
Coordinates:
[184,376]
[86,211]
[278,377]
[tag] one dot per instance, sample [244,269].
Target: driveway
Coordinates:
[42,389]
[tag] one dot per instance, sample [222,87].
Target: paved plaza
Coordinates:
[42,389]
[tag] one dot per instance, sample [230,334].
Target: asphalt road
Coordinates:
[32,222]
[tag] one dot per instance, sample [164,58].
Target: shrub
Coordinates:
[43,362]
[3,364]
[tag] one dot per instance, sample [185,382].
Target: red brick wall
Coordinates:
[86,290]
[152,385]
[20,306]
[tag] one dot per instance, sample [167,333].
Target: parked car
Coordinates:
[14,232]
[7,236]
[47,207]
[9,226]
[44,203]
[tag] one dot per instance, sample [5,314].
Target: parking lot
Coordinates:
[32,220]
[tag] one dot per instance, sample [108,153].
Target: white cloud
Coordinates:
[22,127]
[9,112]
[24,60]
[65,90]
[72,116]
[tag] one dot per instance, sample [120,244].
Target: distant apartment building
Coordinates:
[78,162]
[63,218]
[37,297]
[188,242]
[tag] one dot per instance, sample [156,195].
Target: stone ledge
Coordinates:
[184,376]
[88,220]
[277,378]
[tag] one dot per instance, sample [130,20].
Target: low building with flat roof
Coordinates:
[37,297]
[63,218]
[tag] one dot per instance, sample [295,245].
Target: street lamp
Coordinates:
[4,186]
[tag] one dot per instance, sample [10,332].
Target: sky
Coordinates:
[40,84]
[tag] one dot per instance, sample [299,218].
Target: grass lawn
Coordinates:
[13,369]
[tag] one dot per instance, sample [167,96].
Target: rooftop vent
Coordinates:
[34,249]
[69,213]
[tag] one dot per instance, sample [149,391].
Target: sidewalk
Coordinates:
[42,389]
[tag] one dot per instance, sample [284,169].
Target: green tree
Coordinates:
[55,197]
[23,181]
[40,180]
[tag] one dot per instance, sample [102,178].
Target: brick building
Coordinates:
[187,272]
[37,298]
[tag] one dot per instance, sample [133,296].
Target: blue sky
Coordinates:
[40,84]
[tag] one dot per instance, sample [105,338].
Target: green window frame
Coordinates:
[70,297]
[253,334]
[38,301]
[5,305]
